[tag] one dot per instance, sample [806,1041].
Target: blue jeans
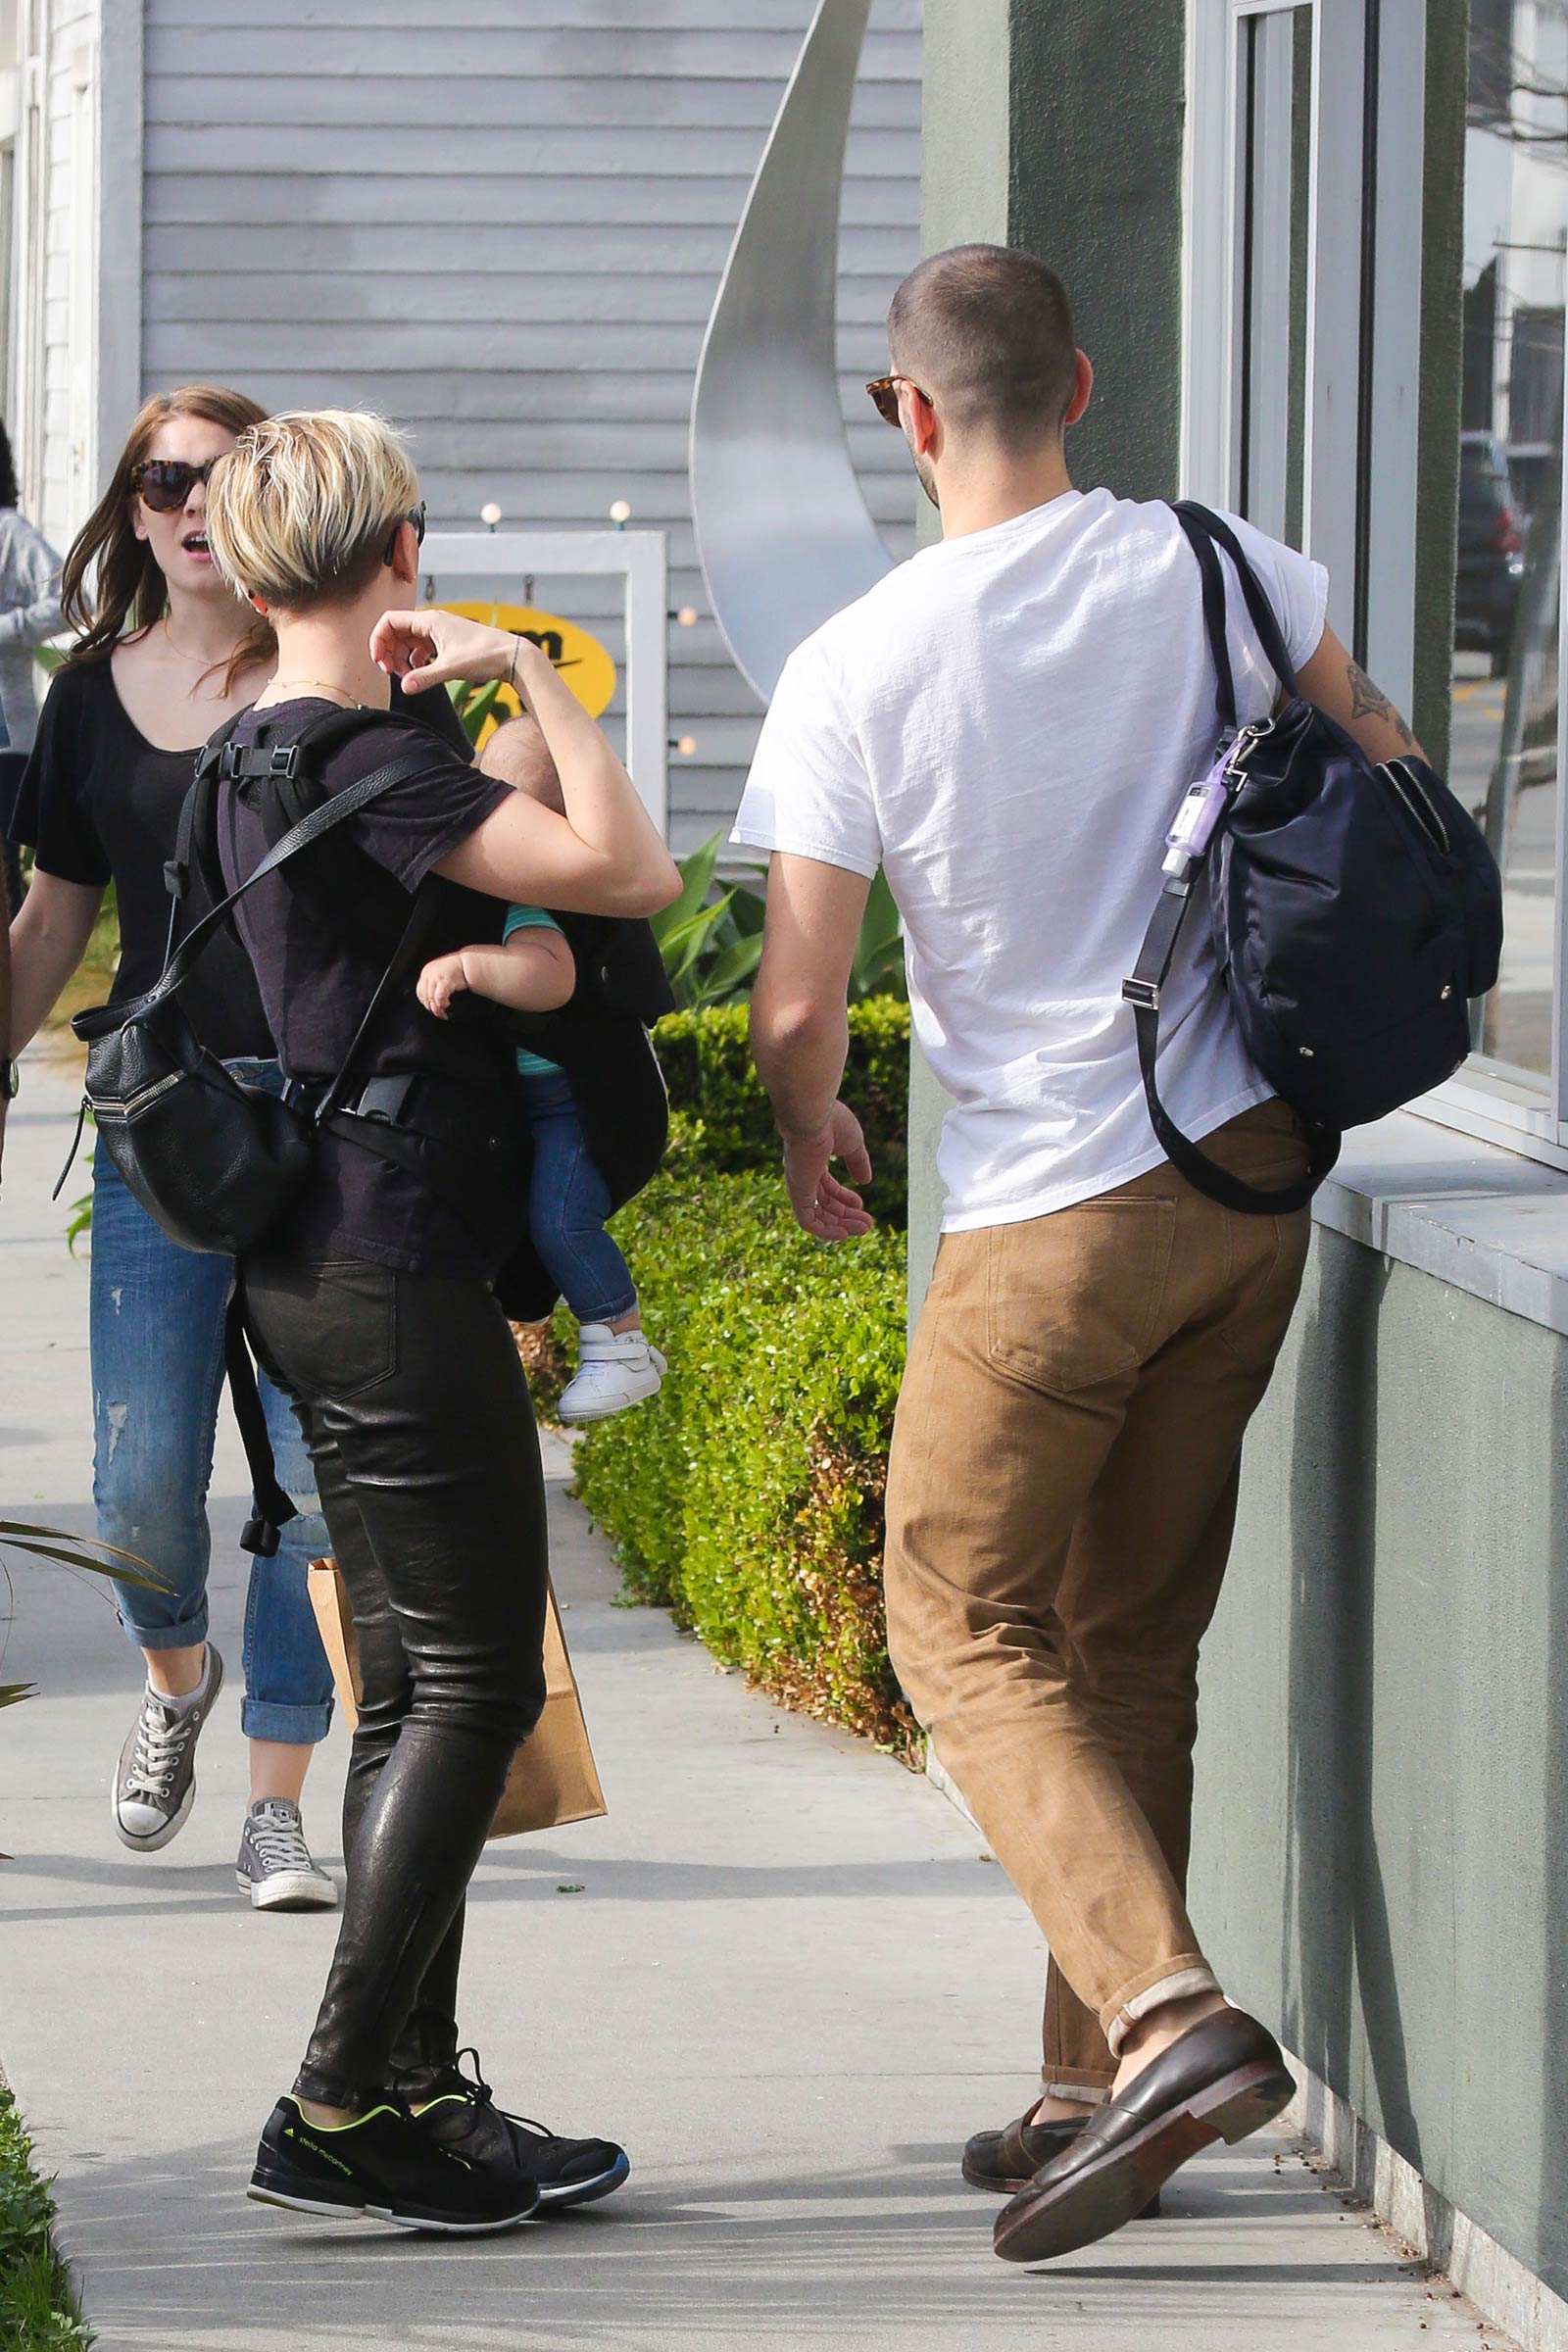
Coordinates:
[568,1202]
[157,1331]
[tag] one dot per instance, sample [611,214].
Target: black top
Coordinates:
[317,979]
[100,803]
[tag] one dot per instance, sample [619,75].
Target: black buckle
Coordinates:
[245,762]
[383,1100]
[1144,994]
[174,878]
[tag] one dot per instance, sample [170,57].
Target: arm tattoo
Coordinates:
[1370,702]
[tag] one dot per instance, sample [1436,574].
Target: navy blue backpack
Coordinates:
[1357,910]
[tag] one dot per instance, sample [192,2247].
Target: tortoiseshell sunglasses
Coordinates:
[884,392]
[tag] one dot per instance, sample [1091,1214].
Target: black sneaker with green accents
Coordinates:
[458,2113]
[385,2167]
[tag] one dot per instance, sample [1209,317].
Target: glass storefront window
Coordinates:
[1315,336]
[1504,753]
[1275,95]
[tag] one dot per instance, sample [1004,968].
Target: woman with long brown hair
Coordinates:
[164,654]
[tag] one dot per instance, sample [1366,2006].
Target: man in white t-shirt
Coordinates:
[1007,725]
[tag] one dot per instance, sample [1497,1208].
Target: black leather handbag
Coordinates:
[1356,909]
[213,1162]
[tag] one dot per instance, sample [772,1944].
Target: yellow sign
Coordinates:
[582,661]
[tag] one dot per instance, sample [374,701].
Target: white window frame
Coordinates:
[640,558]
[1522,1112]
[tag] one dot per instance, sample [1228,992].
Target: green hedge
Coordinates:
[747,1495]
[39,2307]
[721,1119]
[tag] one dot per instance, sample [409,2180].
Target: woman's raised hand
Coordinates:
[428,647]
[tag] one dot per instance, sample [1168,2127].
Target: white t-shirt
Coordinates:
[1006,723]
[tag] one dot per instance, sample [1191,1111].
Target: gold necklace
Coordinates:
[297,686]
[197,660]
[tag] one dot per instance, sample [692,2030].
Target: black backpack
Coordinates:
[600,1038]
[1357,910]
[213,1162]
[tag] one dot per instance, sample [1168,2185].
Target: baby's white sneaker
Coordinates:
[614,1369]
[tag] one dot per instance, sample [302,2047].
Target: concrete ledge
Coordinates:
[1468,1212]
[1494,2281]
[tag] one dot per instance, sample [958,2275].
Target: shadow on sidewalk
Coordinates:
[674,2263]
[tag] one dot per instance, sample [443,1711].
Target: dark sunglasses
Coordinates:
[165,483]
[415,516]
[884,391]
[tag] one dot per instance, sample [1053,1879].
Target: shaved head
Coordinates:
[987,332]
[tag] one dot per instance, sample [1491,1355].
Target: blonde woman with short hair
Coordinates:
[373,1301]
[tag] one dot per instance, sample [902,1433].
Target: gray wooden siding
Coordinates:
[68,193]
[502,223]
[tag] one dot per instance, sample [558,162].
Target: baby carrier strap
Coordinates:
[339,880]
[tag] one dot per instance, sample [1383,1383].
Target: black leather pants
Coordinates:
[418,1422]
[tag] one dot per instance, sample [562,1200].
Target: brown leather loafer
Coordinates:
[1007,2161]
[1224,2079]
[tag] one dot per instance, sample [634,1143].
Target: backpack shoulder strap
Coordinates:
[1214,617]
[1264,619]
[196,840]
[271,1507]
[339,881]
[1144,986]
[1142,992]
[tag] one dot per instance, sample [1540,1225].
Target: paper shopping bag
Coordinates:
[553,1777]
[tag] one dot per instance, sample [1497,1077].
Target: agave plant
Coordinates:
[878,966]
[475,706]
[54,1543]
[711,943]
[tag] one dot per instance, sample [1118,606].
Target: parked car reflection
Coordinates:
[1491,550]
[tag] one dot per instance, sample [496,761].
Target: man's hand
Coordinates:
[821,1203]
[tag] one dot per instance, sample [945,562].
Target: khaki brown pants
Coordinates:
[1060,1503]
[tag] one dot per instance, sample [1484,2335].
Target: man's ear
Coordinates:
[922,425]
[1081,389]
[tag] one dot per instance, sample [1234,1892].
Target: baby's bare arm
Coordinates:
[533,972]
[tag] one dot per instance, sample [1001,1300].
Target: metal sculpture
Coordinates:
[783,532]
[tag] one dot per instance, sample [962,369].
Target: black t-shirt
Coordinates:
[99,803]
[317,978]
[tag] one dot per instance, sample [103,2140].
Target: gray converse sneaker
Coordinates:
[274,1866]
[155,1784]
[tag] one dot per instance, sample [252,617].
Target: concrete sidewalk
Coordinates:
[782,1971]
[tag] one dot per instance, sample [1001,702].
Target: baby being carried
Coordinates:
[533,970]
